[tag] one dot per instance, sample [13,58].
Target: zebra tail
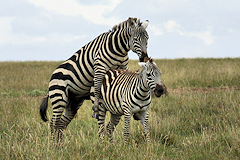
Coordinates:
[43,108]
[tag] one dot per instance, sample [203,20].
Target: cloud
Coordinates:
[173,27]
[206,36]
[230,30]
[7,36]
[93,13]
[156,30]
[5,28]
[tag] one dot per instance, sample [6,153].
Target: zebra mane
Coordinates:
[126,71]
[148,59]
[124,24]
[137,72]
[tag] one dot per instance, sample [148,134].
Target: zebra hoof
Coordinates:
[95,115]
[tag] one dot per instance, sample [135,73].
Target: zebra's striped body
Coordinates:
[71,82]
[125,93]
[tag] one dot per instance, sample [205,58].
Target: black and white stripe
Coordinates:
[124,92]
[71,82]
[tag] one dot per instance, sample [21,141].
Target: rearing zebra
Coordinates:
[124,92]
[71,82]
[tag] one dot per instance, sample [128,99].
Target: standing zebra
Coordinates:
[71,82]
[124,92]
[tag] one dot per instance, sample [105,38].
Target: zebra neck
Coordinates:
[143,87]
[123,39]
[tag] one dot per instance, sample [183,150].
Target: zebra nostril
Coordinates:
[159,87]
[159,90]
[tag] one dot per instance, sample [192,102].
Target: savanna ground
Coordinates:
[199,119]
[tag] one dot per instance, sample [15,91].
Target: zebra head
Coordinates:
[151,77]
[138,37]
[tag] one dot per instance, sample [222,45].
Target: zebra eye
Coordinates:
[148,74]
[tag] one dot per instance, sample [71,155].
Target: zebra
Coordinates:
[70,83]
[125,92]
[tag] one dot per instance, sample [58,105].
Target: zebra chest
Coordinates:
[140,105]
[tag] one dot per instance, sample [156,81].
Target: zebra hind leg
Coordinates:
[111,125]
[68,115]
[54,124]
[59,102]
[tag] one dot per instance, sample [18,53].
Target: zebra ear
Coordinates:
[132,22]
[145,24]
[142,64]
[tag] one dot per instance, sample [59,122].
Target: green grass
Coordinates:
[200,119]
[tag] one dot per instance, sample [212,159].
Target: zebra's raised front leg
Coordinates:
[144,119]
[98,78]
[127,119]
[112,125]
[101,122]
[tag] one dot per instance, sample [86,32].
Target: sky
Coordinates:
[53,30]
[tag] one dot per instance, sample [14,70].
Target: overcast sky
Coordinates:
[55,29]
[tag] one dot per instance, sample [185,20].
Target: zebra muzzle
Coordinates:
[160,90]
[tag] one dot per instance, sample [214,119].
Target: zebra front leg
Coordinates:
[127,119]
[99,75]
[112,125]
[101,123]
[144,119]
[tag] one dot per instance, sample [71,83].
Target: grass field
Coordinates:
[199,119]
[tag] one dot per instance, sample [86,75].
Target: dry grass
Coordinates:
[198,120]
